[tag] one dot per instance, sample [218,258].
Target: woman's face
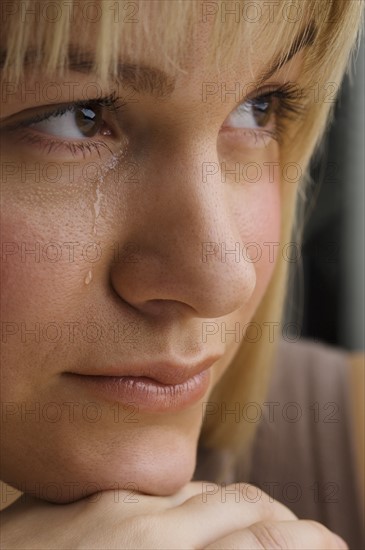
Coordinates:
[125,236]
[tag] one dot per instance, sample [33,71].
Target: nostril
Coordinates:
[168,310]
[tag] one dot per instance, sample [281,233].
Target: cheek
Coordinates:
[29,281]
[268,233]
[258,219]
[254,197]
[39,271]
[256,212]
[37,294]
[20,270]
[27,298]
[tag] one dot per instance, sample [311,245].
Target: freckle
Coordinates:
[88,278]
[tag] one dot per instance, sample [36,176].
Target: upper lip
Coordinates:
[165,372]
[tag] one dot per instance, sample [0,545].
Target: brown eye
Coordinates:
[89,121]
[77,122]
[253,113]
[262,109]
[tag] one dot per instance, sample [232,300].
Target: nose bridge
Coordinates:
[195,205]
[189,204]
[182,212]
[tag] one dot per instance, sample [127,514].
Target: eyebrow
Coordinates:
[141,78]
[155,82]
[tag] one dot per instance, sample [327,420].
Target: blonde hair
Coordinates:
[337,24]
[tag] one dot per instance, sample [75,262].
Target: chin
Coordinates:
[160,471]
[154,466]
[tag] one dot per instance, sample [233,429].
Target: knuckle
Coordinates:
[267,535]
[320,533]
[270,508]
[252,494]
[213,491]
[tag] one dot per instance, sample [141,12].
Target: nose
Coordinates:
[182,232]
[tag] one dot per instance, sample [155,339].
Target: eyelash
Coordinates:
[110,102]
[288,108]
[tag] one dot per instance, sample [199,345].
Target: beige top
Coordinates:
[303,453]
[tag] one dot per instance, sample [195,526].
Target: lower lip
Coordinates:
[147,394]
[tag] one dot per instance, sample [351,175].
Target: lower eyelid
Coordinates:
[248,137]
[47,144]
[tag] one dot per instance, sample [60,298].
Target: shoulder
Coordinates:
[305,446]
[317,376]
[308,359]
[357,389]
[315,380]
[327,375]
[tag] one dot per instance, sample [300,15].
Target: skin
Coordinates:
[183,520]
[167,294]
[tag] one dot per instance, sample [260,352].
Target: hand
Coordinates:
[194,517]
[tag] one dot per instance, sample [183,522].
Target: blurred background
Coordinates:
[327,299]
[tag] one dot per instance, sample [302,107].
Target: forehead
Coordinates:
[176,37]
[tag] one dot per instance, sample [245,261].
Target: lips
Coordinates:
[164,372]
[162,387]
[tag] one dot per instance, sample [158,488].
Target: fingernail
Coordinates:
[341,543]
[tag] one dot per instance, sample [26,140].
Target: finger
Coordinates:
[296,535]
[133,503]
[215,513]
[189,490]
[194,488]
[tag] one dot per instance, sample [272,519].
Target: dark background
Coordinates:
[326,298]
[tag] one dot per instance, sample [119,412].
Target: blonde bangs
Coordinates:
[129,29]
